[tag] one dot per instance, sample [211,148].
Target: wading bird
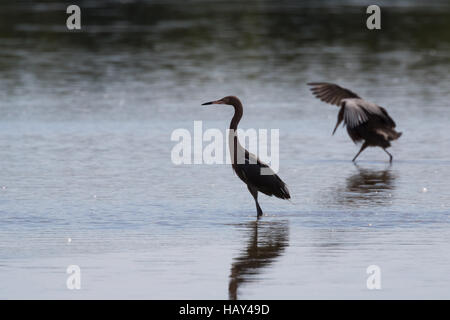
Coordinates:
[365,121]
[258,176]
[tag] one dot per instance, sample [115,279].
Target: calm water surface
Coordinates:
[85,126]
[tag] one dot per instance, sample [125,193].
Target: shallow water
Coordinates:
[85,151]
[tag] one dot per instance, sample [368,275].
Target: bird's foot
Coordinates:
[259,215]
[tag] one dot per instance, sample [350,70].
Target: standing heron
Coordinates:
[258,176]
[365,121]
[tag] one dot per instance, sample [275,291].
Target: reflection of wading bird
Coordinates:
[256,175]
[365,121]
[368,188]
[370,181]
[263,248]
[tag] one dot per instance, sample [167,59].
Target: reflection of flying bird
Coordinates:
[370,181]
[365,121]
[256,175]
[367,187]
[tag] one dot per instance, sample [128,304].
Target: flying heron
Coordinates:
[257,175]
[365,121]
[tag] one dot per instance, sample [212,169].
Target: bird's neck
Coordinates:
[236,150]
[238,111]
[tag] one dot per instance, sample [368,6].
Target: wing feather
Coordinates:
[358,111]
[331,93]
[269,184]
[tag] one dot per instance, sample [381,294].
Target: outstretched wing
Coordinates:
[331,93]
[358,111]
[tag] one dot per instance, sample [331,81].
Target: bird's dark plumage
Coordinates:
[257,175]
[331,93]
[365,121]
[269,184]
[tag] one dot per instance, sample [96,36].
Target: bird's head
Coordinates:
[229,100]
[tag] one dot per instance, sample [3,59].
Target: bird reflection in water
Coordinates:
[266,242]
[368,185]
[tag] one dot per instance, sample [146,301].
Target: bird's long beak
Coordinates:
[337,125]
[334,131]
[212,102]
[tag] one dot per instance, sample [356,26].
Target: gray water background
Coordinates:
[85,151]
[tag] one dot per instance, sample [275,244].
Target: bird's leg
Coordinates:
[390,155]
[364,146]
[254,193]
[258,209]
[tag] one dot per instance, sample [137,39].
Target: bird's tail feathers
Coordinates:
[284,192]
[389,133]
[394,135]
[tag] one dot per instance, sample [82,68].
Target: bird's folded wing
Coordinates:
[268,183]
[331,93]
